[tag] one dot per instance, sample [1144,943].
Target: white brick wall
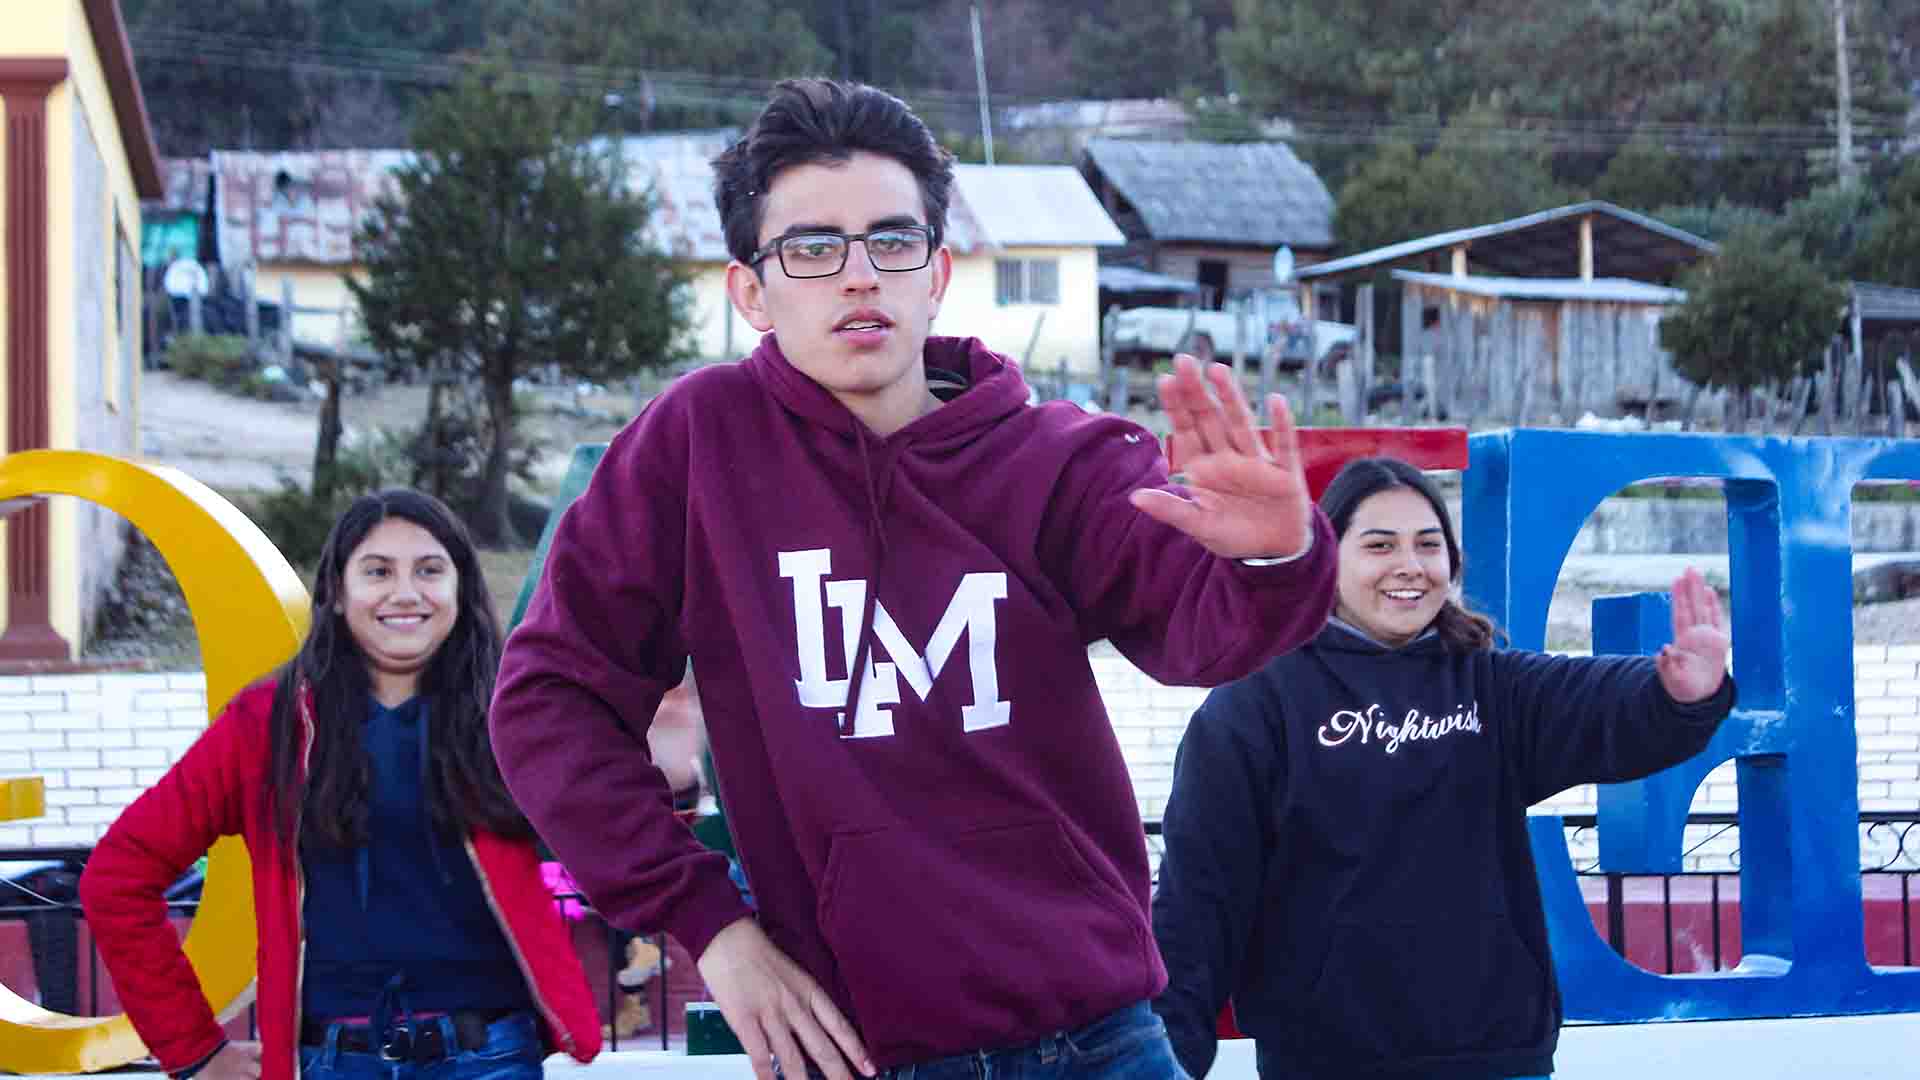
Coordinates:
[1150,719]
[99,740]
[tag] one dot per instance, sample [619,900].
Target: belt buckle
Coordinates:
[398,1045]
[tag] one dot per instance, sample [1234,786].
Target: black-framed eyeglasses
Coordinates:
[895,249]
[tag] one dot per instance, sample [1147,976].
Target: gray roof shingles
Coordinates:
[1251,194]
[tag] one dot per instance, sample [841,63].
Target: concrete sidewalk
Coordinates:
[1816,1048]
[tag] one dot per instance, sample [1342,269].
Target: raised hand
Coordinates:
[780,1015]
[1246,501]
[1692,666]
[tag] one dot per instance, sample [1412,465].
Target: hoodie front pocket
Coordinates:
[993,931]
[1399,991]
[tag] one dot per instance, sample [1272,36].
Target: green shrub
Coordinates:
[220,359]
[298,523]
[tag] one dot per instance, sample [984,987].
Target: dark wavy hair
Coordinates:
[324,800]
[808,121]
[1461,628]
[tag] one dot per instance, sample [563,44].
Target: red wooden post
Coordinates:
[1324,450]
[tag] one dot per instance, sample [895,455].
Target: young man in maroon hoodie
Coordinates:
[887,568]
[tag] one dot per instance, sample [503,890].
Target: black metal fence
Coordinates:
[1671,923]
[47,903]
[1690,921]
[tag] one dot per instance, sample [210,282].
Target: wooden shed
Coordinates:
[1554,313]
[1522,347]
[1211,213]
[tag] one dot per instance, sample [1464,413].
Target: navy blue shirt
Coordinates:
[409,903]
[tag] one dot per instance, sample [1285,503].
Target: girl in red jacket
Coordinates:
[404,929]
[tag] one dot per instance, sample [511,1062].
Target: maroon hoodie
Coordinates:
[961,865]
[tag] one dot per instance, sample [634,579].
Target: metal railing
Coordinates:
[1890,853]
[19,902]
[1889,868]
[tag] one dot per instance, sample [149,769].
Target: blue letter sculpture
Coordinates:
[1792,737]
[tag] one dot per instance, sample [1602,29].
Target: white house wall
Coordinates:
[1071,330]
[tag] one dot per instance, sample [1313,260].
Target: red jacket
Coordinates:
[217,789]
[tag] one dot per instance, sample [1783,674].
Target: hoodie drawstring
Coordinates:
[877,542]
[362,862]
[426,811]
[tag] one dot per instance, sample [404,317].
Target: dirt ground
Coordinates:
[236,444]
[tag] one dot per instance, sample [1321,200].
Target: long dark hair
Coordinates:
[325,799]
[1460,628]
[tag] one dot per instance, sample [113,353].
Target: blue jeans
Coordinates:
[1130,1044]
[512,1052]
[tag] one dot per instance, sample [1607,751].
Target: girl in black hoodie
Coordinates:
[1346,845]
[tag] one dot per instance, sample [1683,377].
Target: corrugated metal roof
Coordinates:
[1887,303]
[183,184]
[679,169]
[1618,290]
[296,206]
[1033,205]
[1134,279]
[1547,244]
[1252,194]
[313,217]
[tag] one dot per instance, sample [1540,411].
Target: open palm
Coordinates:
[1245,500]
[1694,664]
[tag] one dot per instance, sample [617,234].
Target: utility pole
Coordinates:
[1844,88]
[980,77]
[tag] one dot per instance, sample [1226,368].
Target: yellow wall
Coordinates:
[710,312]
[39,28]
[323,287]
[1072,327]
[314,287]
[59,28]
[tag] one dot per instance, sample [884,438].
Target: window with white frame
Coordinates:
[1026,281]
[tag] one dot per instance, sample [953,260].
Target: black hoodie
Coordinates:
[1347,859]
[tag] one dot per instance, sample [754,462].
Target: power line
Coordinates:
[744,96]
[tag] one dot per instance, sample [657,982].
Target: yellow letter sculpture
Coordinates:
[250,611]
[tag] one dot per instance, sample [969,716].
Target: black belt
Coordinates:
[416,1040]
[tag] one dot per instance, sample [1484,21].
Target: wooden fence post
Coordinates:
[1309,388]
[1909,385]
[286,321]
[1361,356]
[1857,371]
[1269,357]
[253,309]
[1240,341]
[1116,377]
[1415,342]
[1026,358]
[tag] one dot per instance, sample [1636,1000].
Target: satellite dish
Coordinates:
[1283,266]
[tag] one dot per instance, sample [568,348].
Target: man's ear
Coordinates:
[942,277]
[749,295]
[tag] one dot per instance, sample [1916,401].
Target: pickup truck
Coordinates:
[1153,333]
